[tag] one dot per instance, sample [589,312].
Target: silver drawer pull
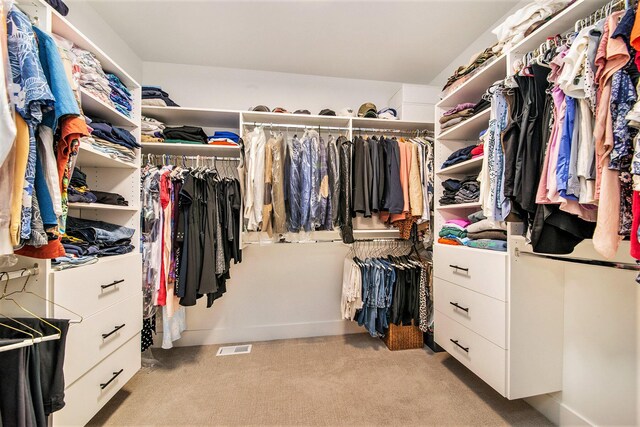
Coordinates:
[116,329]
[115,375]
[115,282]
[456,268]
[456,343]
[455,304]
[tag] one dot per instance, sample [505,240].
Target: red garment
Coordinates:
[165,187]
[478,150]
[635,209]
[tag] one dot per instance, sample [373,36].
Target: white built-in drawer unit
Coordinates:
[100,335]
[92,288]
[484,315]
[481,356]
[480,270]
[86,396]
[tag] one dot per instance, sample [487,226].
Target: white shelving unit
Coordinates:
[108,293]
[510,330]
[215,119]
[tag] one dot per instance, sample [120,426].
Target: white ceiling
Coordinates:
[401,41]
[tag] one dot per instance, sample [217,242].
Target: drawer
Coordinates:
[480,270]
[87,395]
[482,314]
[86,346]
[92,288]
[482,357]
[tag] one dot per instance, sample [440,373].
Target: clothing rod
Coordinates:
[381,240]
[16,274]
[295,126]
[179,157]
[405,132]
[28,342]
[609,264]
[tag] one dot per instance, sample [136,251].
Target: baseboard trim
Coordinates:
[556,411]
[263,333]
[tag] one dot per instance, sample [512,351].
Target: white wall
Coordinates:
[483,41]
[228,88]
[84,17]
[278,291]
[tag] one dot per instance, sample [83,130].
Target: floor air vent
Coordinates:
[234,349]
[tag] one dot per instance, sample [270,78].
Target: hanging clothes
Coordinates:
[379,291]
[190,234]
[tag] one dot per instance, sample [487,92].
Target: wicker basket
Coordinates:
[403,337]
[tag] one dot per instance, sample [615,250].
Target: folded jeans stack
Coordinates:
[110,239]
[154,96]
[152,130]
[120,95]
[185,135]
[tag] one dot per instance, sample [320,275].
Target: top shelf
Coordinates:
[467,130]
[204,117]
[92,106]
[360,122]
[249,117]
[473,89]
[560,23]
[62,27]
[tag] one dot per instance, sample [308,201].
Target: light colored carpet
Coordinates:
[329,381]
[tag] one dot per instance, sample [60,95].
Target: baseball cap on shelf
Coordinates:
[261,108]
[279,110]
[302,112]
[388,113]
[327,112]
[347,112]
[368,110]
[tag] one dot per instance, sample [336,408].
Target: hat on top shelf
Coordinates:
[347,112]
[261,108]
[327,112]
[368,110]
[279,110]
[302,112]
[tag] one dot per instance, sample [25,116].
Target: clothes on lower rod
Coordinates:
[380,291]
[32,385]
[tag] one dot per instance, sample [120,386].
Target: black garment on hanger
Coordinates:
[362,178]
[557,232]
[536,137]
[345,202]
[393,195]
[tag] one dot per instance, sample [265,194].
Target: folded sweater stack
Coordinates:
[154,96]
[152,130]
[456,191]
[120,95]
[475,232]
[185,135]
